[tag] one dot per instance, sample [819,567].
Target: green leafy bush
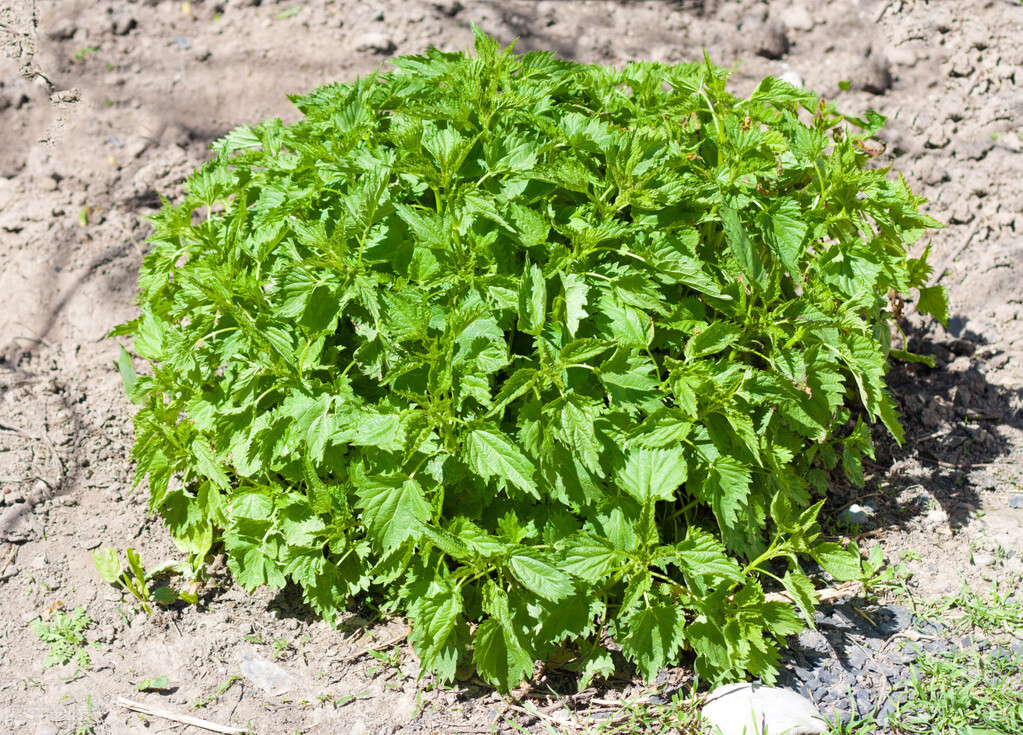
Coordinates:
[542,355]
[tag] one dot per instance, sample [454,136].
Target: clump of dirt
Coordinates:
[107,106]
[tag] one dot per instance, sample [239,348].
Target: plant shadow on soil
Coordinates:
[954,420]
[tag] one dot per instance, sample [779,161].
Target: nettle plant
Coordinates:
[551,358]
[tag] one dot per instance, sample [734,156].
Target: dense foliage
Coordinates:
[542,355]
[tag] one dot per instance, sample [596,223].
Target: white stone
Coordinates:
[938,515]
[983,560]
[797,17]
[266,675]
[858,514]
[755,709]
[792,77]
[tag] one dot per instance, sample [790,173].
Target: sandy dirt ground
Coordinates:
[107,105]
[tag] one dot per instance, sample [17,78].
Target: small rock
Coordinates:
[268,676]
[983,560]
[875,74]
[182,43]
[123,25]
[377,43]
[38,562]
[448,7]
[797,17]
[792,77]
[857,658]
[938,515]
[1016,501]
[856,514]
[63,30]
[765,36]
[933,173]
[754,709]
[91,543]
[245,628]
[107,634]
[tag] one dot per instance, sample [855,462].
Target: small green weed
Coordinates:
[970,692]
[65,633]
[999,611]
[977,691]
[203,701]
[134,580]
[153,684]
[280,648]
[83,52]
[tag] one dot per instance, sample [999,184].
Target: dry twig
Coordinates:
[183,719]
[846,589]
[955,253]
[378,647]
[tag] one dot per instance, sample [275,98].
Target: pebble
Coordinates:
[245,628]
[792,77]
[1016,501]
[378,43]
[91,543]
[448,7]
[182,43]
[875,74]
[797,17]
[983,560]
[938,515]
[737,709]
[766,37]
[857,514]
[266,675]
[63,30]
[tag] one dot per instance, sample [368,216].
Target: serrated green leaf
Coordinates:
[107,564]
[803,594]
[840,563]
[532,300]
[700,555]
[499,656]
[653,474]
[653,638]
[590,558]
[742,248]
[934,302]
[539,576]
[575,301]
[580,350]
[438,632]
[392,509]
[492,454]
[712,340]
[520,382]
[783,230]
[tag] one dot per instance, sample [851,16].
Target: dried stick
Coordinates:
[376,647]
[955,253]
[846,589]
[183,719]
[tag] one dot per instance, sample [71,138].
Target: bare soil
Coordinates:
[106,106]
